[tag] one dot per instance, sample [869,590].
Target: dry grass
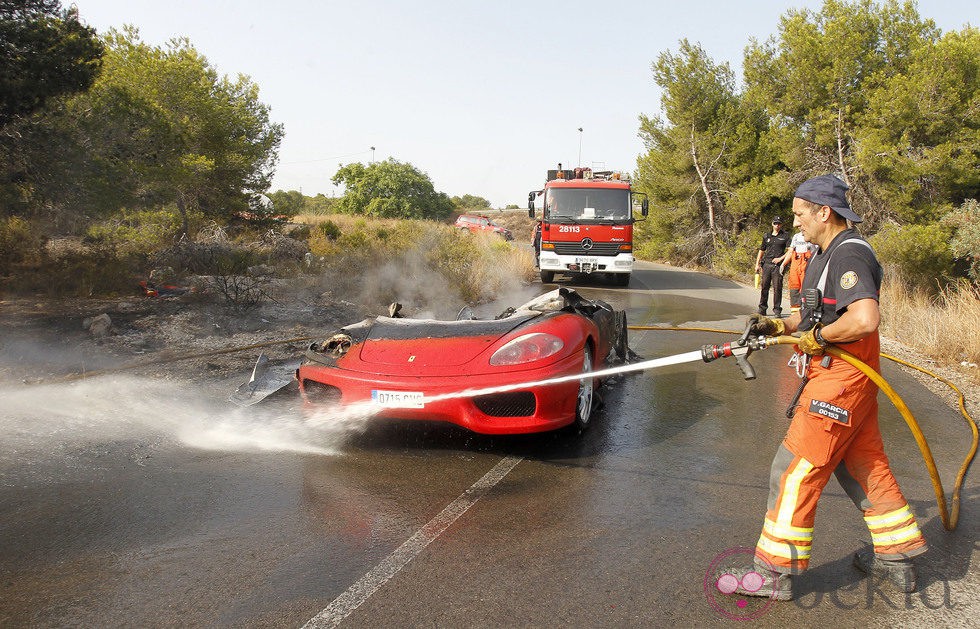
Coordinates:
[940,326]
[430,267]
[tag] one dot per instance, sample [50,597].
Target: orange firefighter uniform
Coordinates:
[800,252]
[834,428]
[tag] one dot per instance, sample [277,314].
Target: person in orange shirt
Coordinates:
[834,428]
[798,255]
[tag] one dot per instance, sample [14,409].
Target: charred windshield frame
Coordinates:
[588,204]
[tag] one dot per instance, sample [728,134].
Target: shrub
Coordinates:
[919,253]
[735,257]
[139,231]
[329,229]
[965,244]
[20,245]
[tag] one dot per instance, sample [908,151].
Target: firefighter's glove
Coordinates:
[760,325]
[812,342]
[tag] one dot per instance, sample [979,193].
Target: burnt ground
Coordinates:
[47,339]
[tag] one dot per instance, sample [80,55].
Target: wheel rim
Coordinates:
[585,390]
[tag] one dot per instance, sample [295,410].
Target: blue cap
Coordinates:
[830,191]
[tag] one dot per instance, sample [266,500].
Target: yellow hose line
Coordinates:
[969,421]
[949,518]
[669,328]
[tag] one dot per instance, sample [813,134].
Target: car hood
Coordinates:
[415,342]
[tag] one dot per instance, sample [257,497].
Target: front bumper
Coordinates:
[550,261]
[540,408]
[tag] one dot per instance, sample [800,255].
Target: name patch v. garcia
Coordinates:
[827,409]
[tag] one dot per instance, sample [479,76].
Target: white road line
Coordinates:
[341,607]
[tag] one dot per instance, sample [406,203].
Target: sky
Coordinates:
[483,97]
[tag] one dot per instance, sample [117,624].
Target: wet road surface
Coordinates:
[428,525]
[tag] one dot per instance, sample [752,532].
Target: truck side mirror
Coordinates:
[645,207]
[530,203]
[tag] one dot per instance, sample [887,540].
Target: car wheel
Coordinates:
[622,279]
[585,401]
[621,345]
[547,277]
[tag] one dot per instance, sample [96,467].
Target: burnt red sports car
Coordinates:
[399,365]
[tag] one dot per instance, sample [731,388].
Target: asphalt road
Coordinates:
[107,520]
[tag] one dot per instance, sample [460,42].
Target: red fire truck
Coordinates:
[587,224]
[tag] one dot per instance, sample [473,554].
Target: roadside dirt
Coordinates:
[47,340]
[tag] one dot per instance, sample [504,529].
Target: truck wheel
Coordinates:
[622,279]
[547,277]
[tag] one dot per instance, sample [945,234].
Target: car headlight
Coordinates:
[527,348]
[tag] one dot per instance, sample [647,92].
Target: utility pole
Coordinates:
[580,146]
[372,154]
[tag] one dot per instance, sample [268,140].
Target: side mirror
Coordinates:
[645,207]
[530,203]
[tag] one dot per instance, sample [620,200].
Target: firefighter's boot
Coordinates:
[759,581]
[901,573]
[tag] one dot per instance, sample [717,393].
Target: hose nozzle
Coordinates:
[738,350]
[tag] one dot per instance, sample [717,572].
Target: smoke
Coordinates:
[411,281]
[51,418]
[465,270]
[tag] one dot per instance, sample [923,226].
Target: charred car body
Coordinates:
[400,364]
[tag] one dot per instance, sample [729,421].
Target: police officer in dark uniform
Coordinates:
[772,254]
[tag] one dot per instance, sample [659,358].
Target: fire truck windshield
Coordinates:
[585,204]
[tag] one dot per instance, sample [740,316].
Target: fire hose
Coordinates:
[744,346]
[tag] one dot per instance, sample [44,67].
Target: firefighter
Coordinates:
[834,427]
[798,255]
[536,243]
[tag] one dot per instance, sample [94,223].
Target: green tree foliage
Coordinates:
[215,146]
[294,203]
[919,254]
[390,189]
[921,131]
[700,153]
[816,77]
[470,202]
[45,52]
[159,127]
[291,203]
[871,92]
[685,166]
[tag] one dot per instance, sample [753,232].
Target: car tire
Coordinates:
[621,279]
[621,345]
[585,399]
[547,277]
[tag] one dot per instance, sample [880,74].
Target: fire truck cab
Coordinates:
[586,224]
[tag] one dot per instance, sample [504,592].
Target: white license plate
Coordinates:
[398,399]
[586,260]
